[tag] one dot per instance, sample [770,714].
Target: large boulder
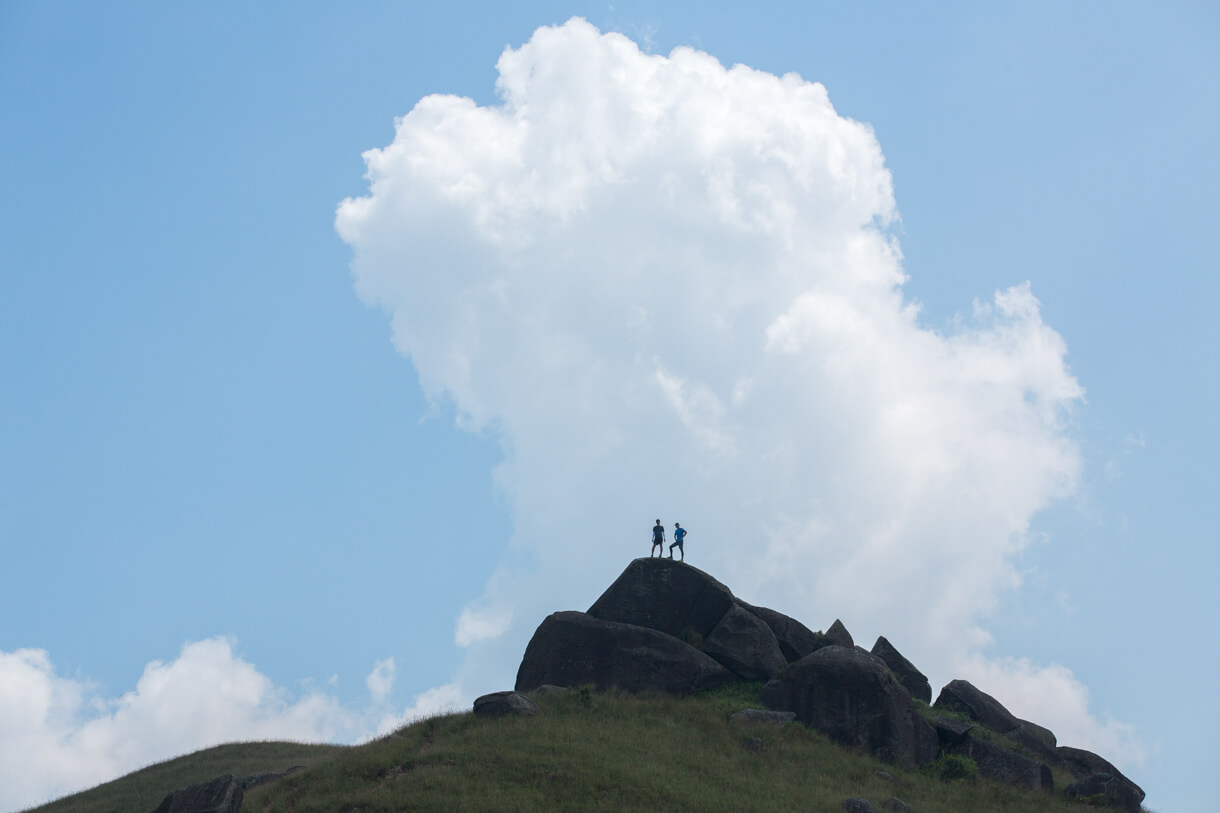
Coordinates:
[1086,765]
[1117,791]
[1036,738]
[852,697]
[911,678]
[221,795]
[576,649]
[795,639]
[745,645]
[838,635]
[961,696]
[504,704]
[1000,764]
[950,732]
[665,595]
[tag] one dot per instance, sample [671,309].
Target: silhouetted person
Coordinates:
[658,539]
[679,535]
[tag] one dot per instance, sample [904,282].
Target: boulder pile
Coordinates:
[664,626]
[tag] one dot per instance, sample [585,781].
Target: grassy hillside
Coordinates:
[583,751]
[142,791]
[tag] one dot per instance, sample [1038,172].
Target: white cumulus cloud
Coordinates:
[669,288]
[59,735]
[381,680]
[449,698]
[481,625]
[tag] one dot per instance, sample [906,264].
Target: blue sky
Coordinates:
[212,451]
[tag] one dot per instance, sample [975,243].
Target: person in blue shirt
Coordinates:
[658,540]
[679,535]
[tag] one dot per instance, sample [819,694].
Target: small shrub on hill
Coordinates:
[954,768]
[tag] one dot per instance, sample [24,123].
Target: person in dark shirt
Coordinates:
[658,539]
[679,535]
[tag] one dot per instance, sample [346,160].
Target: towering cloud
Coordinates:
[670,289]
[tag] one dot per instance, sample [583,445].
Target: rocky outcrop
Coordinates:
[1006,766]
[665,626]
[1117,791]
[961,696]
[671,597]
[256,779]
[911,678]
[1084,763]
[853,698]
[794,638]
[504,704]
[745,645]
[1097,776]
[576,649]
[838,635]
[221,795]
[1034,737]
[950,732]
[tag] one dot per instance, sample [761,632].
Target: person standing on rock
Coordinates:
[679,535]
[658,539]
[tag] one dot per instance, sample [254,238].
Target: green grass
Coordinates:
[142,791]
[583,751]
[619,753]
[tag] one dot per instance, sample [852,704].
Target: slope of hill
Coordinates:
[582,751]
[142,790]
[610,751]
[632,710]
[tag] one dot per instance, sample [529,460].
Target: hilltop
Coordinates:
[672,694]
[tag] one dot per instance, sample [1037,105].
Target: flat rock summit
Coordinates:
[664,626]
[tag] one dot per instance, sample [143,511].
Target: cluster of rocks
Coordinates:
[664,626]
[223,794]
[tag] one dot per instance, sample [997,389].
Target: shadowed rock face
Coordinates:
[962,696]
[951,732]
[795,639]
[911,678]
[576,649]
[1002,765]
[745,646]
[667,596]
[1119,791]
[838,635]
[852,697]
[503,704]
[221,795]
[1096,776]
